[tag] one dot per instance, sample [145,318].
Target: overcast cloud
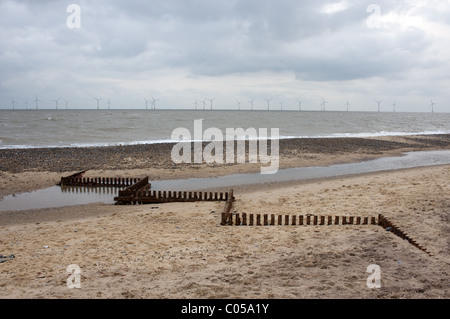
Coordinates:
[180,51]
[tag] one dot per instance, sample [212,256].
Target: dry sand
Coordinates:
[181,251]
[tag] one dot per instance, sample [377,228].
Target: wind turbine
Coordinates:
[268,103]
[432,106]
[394,105]
[238,104]
[26,104]
[98,102]
[109,104]
[56,102]
[204,102]
[281,105]
[146,103]
[323,104]
[211,102]
[347,105]
[299,104]
[36,101]
[13,104]
[154,102]
[196,104]
[379,103]
[67,103]
[251,104]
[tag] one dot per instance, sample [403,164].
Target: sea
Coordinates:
[88,128]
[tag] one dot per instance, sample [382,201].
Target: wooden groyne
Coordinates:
[245,219]
[141,197]
[77,179]
[389,226]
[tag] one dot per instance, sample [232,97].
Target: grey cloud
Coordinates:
[212,38]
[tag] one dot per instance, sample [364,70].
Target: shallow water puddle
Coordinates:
[58,196]
[410,160]
[67,196]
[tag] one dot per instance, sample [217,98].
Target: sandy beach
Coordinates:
[180,250]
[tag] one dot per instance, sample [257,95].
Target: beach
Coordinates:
[180,250]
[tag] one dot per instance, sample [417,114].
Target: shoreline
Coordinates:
[180,250]
[23,170]
[296,151]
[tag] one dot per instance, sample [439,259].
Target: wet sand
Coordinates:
[181,251]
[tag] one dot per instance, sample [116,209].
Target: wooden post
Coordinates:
[266,220]
[373,221]
[244,219]
[330,220]
[358,220]
[286,220]
[300,220]
[315,220]
[258,220]
[294,220]
[308,220]
[336,220]
[251,220]
[238,220]
[322,220]
[344,220]
[365,220]
[351,220]
[272,219]
[280,220]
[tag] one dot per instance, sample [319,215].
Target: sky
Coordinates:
[184,51]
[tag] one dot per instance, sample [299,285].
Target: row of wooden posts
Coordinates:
[147,197]
[389,226]
[140,193]
[137,190]
[245,219]
[77,179]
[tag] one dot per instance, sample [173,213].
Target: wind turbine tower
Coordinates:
[379,105]
[146,103]
[154,102]
[268,103]
[324,103]
[109,104]
[13,104]
[251,104]
[281,105]
[347,105]
[299,104]
[36,101]
[394,106]
[67,104]
[56,103]
[196,104]
[432,106]
[203,102]
[238,104]
[98,102]
[26,104]
[211,102]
